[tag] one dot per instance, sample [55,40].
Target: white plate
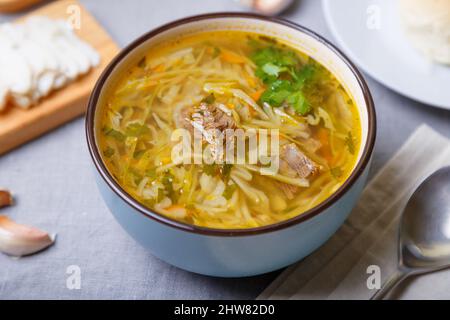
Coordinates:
[370,33]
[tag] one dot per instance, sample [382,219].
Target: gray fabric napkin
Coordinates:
[53,182]
[338,270]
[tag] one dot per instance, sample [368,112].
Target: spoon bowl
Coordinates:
[424,240]
[425,229]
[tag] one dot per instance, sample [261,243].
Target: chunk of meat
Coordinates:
[297,161]
[295,164]
[211,116]
[210,120]
[183,118]
[205,117]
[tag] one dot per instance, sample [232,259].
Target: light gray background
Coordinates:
[54,185]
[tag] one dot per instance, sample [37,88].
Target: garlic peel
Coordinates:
[6,198]
[21,240]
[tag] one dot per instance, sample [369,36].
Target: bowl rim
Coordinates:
[321,207]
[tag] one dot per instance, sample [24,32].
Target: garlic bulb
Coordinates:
[20,240]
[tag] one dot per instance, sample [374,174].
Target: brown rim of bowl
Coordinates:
[116,188]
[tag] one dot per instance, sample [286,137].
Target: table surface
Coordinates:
[55,190]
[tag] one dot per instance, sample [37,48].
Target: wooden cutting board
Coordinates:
[17,125]
[16,5]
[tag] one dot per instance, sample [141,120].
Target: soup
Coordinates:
[224,81]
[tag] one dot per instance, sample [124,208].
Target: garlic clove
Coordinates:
[271,7]
[6,198]
[21,240]
[267,7]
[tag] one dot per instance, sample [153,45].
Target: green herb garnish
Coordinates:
[298,101]
[285,77]
[272,69]
[210,169]
[138,153]
[229,190]
[136,174]
[160,195]
[210,99]
[336,172]
[142,63]
[167,181]
[226,170]
[281,58]
[151,173]
[108,152]
[136,129]
[216,52]
[350,143]
[119,136]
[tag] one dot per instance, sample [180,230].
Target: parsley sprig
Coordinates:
[285,77]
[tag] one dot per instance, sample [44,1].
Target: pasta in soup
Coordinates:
[212,83]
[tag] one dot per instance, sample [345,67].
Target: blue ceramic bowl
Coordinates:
[240,252]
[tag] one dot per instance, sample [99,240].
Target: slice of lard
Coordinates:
[39,56]
[16,72]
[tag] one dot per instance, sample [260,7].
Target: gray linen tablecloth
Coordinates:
[53,182]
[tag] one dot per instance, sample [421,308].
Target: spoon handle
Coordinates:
[390,284]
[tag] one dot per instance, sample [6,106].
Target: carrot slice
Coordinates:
[177,211]
[257,94]
[159,68]
[231,57]
[324,138]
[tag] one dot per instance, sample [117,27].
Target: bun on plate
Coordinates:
[427,25]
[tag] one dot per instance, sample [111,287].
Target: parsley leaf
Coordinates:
[151,173]
[229,190]
[167,181]
[142,63]
[285,77]
[210,169]
[108,152]
[305,74]
[226,170]
[277,93]
[272,69]
[350,142]
[119,136]
[136,129]
[216,52]
[298,101]
[210,99]
[139,153]
[336,172]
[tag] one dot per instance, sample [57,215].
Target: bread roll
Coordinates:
[427,25]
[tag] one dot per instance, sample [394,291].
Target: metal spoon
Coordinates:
[267,7]
[424,241]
